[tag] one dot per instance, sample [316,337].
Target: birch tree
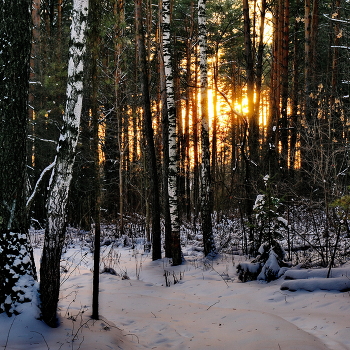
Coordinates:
[62,172]
[17,271]
[206,186]
[173,156]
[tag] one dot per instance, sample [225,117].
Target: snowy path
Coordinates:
[202,311]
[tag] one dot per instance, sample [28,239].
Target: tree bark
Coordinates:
[149,134]
[206,185]
[173,150]
[165,142]
[94,39]
[17,270]
[62,173]
[253,118]
[284,16]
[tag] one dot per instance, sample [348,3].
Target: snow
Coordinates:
[205,307]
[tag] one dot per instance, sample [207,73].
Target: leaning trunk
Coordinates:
[62,173]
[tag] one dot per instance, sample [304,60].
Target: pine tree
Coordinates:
[17,270]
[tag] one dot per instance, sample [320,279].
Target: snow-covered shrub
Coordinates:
[248,271]
[267,266]
[269,227]
[268,222]
[270,270]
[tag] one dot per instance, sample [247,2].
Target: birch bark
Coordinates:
[173,156]
[62,172]
[206,186]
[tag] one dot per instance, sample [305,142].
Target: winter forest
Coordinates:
[175,174]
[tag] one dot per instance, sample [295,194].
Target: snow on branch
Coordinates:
[337,20]
[48,168]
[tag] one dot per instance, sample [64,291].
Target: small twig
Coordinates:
[76,267]
[8,333]
[43,338]
[81,326]
[213,305]
[138,340]
[80,343]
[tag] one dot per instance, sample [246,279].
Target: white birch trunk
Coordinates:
[62,172]
[206,190]
[171,108]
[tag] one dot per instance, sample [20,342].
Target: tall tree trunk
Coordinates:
[284,17]
[310,109]
[260,57]
[94,20]
[251,130]
[149,134]
[189,89]
[249,58]
[308,63]
[275,94]
[165,141]
[17,270]
[62,173]
[206,185]
[295,88]
[119,110]
[173,149]
[214,139]
[196,165]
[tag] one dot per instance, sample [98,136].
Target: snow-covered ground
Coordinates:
[208,308]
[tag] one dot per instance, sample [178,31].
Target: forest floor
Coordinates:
[147,304]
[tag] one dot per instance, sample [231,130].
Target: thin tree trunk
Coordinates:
[62,173]
[119,18]
[252,117]
[94,46]
[308,63]
[149,134]
[260,56]
[214,139]
[165,142]
[295,103]
[173,149]
[196,166]
[284,86]
[206,185]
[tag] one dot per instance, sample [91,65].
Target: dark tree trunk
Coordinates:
[206,185]
[94,40]
[149,134]
[16,258]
